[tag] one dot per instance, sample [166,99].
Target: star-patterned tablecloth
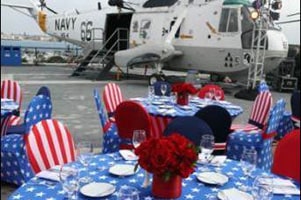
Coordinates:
[39,189]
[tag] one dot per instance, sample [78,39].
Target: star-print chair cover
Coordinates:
[207,88]
[219,120]
[263,86]
[11,90]
[259,113]
[44,90]
[261,141]
[131,116]
[287,156]
[112,97]
[49,143]
[39,108]
[111,138]
[157,88]
[189,126]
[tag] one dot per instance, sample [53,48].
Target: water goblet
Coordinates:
[128,193]
[207,147]
[218,95]
[263,188]
[212,91]
[151,92]
[208,96]
[163,89]
[139,136]
[69,179]
[84,155]
[248,164]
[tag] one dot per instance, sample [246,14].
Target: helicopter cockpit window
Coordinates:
[229,20]
[158,3]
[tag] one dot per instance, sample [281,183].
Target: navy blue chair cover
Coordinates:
[219,120]
[157,87]
[111,138]
[295,104]
[44,90]
[189,126]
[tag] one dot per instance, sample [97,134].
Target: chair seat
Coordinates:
[17,129]
[244,127]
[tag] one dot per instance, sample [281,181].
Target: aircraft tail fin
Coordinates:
[29,5]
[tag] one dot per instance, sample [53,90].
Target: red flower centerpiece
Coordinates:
[183,90]
[169,158]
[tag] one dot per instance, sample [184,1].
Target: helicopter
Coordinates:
[219,37]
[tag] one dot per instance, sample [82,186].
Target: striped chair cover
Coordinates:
[206,89]
[259,113]
[111,138]
[112,97]
[263,86]
[11,90]
[261,141]
[131,116]
[49,143]
[4,124]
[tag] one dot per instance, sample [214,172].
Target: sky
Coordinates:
[14,22]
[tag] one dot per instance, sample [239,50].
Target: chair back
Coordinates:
[295,104]
[100,109]
[263,86]
[207,88]
[4,124]
[112,97]
[219,120]
[275,117]
[39,108]
[157,88]
[260,109]
[49,143]
[189,126]
[287,156]
[44,90]
[11,90]
[131,116]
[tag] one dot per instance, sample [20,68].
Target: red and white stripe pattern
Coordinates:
[261,108]
[49,143]
[4,125]
[158,125]
[14,120]
[246,127]
[11,90]
[112,97]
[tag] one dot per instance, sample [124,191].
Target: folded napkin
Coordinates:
[284,186]
[218,160]
[235,194]
[128,155]
[49,175]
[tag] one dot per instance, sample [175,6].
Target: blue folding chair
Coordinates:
[44,90]
[111,138]
[219,120]
[261,141]
[189,126]
[157,88]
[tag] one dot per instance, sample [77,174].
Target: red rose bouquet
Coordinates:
[168,156]
[184,88]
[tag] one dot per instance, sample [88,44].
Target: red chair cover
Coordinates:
[49,143]
[131,116]
[287,156]
[206,89]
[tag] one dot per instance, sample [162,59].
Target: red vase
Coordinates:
[170,189]
[182,99]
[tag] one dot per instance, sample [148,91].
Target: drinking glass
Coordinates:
[128,193]
[163,89]
[139,136]
[84,155]
[69,180]
[207,147]
[263,188]
[218,95]
[208,97]
[212,91]
[151,92]
[248,164]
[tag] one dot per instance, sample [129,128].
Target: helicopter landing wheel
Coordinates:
[156,77]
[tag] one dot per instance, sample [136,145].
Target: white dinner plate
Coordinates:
[212,178]
[186,107]
[122,170]
[237,194]
[166,106]
[97,189]
[157,102]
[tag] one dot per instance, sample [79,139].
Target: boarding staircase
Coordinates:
[258,48]
[102,58]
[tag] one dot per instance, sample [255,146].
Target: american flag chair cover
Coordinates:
[4,124]
[285,126]
[49,143]
[11,90]
[112,97]
[15,167]
[261,141]
[263,86]
[111,139]
[295,106]
[259,113]
[39,108]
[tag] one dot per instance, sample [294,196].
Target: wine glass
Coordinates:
[128,193]
[208,96]
[218,95]
[207,147]
[69,179]
[263,187]
[163,89]
[139,136]
[84,155]
[212,91]
[151,92]
[248,164]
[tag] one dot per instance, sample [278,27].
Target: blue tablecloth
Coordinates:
[192,188]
